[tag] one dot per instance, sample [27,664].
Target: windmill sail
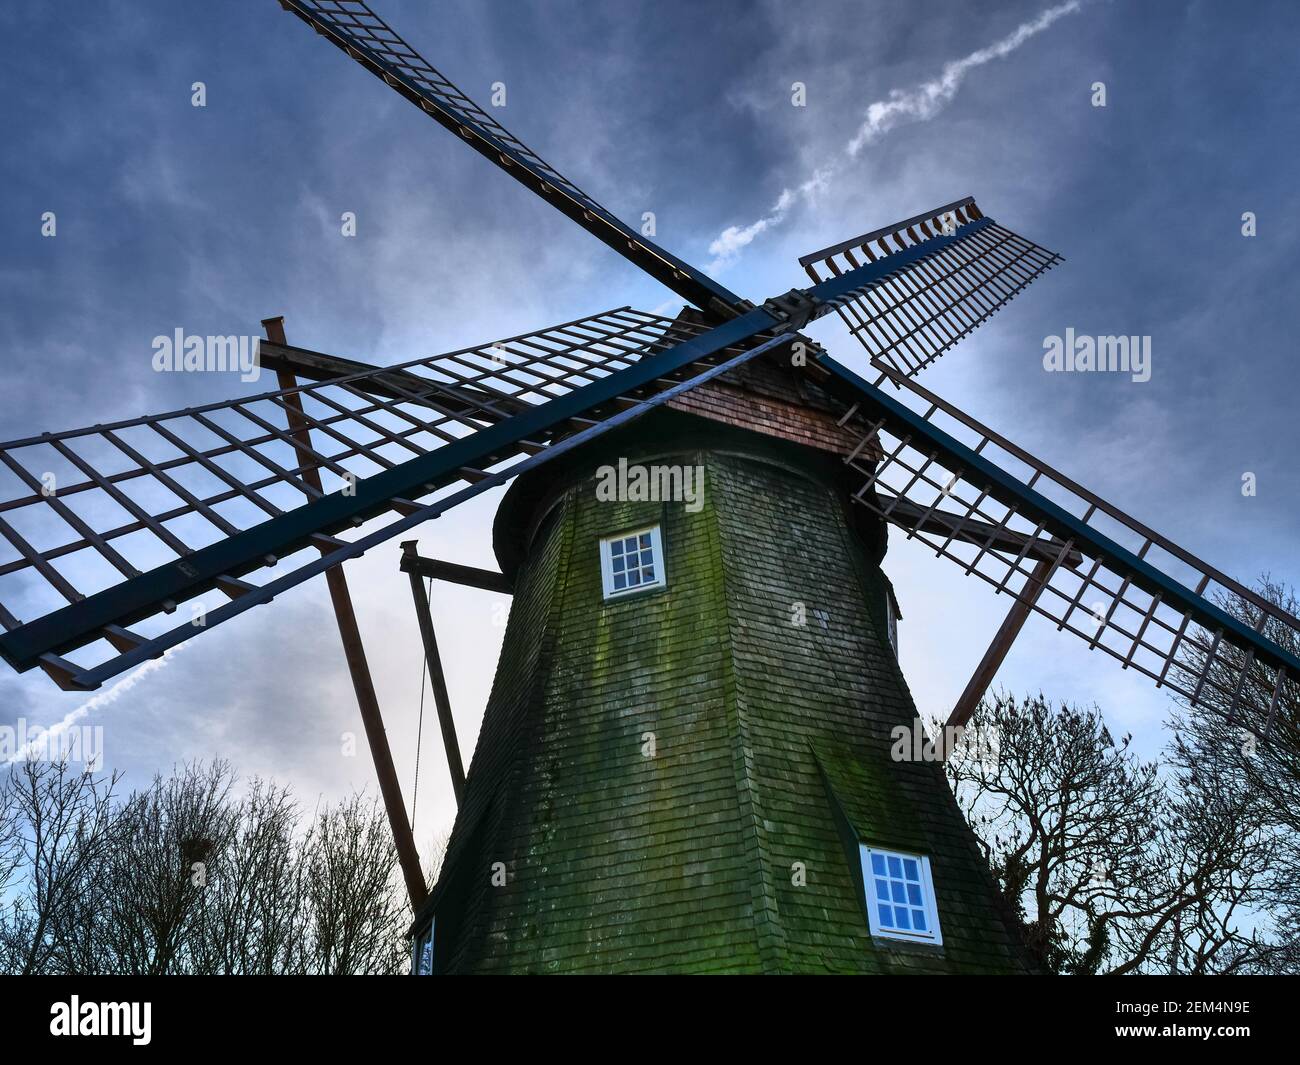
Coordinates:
[916,313]
[115,525]
[481,408]
[399,434]
[1009,518]
[365,37]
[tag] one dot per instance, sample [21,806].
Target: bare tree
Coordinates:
[437,853]
[150,887]
[1113,866]
[57,820]
[183,877]
[254,908]
[1211,743]
[11,851]
[356,914]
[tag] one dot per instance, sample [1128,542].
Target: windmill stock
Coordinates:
[290,475]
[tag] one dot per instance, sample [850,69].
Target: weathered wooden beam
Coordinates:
[1006,636]
[913,516]
[372,719]
[486,579]
[401,385]
[436,677]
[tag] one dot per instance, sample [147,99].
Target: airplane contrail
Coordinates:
[96,702]
[901,107]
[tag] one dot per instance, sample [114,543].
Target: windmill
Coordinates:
[684,762]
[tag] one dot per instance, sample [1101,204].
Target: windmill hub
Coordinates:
[794,310]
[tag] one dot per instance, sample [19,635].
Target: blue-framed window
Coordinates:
[422,953]
[900,895]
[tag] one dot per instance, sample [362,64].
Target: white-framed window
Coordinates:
[900,895]
[891,620]
[422,953]
[632,562]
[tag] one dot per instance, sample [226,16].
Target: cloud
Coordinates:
[729,243]
[900,107]
[923,102]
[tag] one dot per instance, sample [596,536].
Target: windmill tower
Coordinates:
[688,761]
[684,765]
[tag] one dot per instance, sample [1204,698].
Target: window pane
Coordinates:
[899,887]
[631,562]
[423,962]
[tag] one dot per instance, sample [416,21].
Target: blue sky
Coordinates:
[209,219]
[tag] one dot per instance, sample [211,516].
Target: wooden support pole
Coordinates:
[1006,636]
[436,677]
[470,576]
[371,718]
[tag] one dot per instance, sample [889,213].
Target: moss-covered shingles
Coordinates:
[502,757]
[683,861]
[815,672]
[626,860]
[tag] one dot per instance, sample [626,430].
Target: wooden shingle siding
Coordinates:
[772,417]
[683,862]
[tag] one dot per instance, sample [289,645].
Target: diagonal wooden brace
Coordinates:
[1006,636]
[371,718]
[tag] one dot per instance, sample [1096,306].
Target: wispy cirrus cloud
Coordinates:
[901,107]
